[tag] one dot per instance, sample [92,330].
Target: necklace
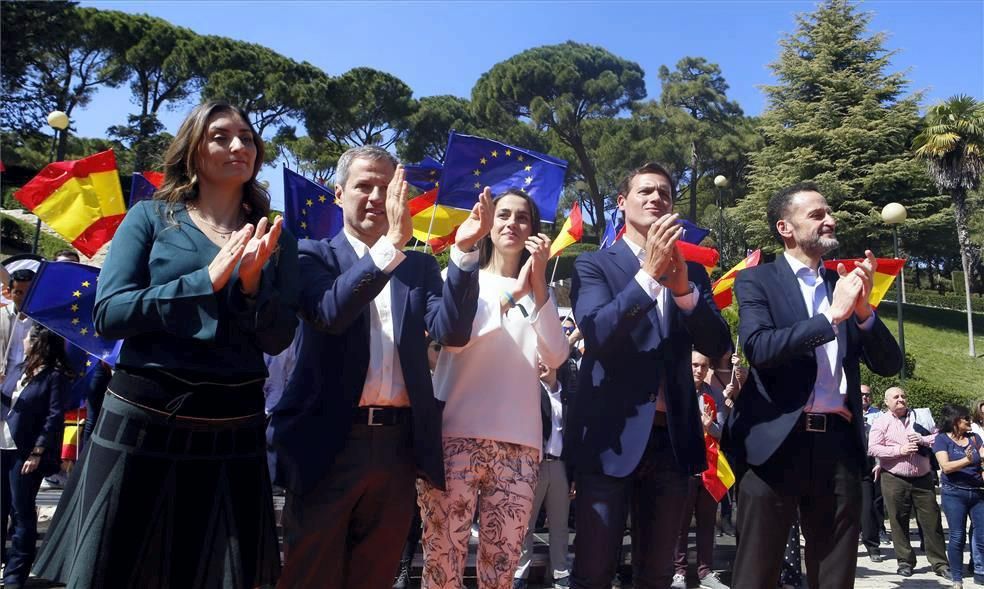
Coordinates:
[220,232]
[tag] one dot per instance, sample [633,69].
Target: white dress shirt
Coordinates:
[555,443]
[384,385]
[830,389]
[6,436]
[658,293]
[20,326]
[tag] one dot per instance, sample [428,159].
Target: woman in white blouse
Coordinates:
[491,425]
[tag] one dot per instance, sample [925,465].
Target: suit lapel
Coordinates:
[343,252]
[623,258]
[399,294]
[790,287]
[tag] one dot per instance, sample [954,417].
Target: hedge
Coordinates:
[953,301]
[19,235]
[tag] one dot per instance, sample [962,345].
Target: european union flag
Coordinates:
[143,186]
[473,163]
[310,210]
[425,175]
[61,298]
[83,367]
[613,231]
[692,233]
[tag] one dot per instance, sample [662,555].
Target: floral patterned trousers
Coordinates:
[501,479]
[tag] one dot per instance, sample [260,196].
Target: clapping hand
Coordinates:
[257,251]
[477,225]
[846,294]
[224,262]
[865,270]
[539,248]
[397,211]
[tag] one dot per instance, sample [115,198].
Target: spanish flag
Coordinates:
[570,233]
[81,200]
[74,422]
[723,287]
[888,269]
[718,477]
[440,234]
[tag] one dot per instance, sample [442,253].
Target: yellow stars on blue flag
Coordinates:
[62,299]
[425,175]
[500,167]
[311,211]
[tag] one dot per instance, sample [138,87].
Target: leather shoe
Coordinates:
[905,570]
[875,556]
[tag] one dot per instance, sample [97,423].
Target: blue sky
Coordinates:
[443,47]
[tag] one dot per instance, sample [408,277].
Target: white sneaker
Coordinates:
[711,581]
[679,582]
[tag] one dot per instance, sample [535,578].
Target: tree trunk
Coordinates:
[960,215]
[694,175]
[588,171]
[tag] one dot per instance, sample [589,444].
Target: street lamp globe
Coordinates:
[720,181]
[58,120]
[893,213]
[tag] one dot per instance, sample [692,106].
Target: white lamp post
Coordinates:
[895,214]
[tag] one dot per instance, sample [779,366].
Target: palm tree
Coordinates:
[953,146]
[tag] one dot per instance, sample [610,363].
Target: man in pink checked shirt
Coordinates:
[903,448]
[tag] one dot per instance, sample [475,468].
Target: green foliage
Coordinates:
[839,117]
[565,261]
[558,88]
[304,155]
[18,237]
[426,130]
[363,106]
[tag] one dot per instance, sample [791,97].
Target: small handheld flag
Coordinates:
[472,163]
[143,185]
[435,224]
[310,210]
[723,287]
[81,200]
[888,269]
[425,175]
[61,298]
[570,233]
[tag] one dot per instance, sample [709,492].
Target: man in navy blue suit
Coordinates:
[634,435]
[358,421]
[797,423]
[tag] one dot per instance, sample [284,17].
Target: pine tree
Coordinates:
[839,117]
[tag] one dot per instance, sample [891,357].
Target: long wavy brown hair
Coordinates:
[47,350]
[181,161]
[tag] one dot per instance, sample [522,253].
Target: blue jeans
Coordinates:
[17,502]
[957,505]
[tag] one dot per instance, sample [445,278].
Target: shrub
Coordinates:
[19,235]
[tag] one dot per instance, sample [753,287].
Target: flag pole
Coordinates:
[554,273]
[430,227]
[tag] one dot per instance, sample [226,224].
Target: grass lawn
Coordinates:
[939,345]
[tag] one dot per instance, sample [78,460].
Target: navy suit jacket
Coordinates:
[38,417]
[780,339]
[310,424]
[626,358]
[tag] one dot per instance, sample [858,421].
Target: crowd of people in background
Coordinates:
[396,404]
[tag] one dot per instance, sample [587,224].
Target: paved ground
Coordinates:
[870,575]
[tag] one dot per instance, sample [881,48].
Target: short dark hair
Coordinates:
[950,415]
[778,206]
[646,168]
[74,255]
[21,275]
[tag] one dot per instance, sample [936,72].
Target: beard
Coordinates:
[819,244]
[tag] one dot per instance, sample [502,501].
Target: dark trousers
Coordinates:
[348,532]
[903,495]
[703,507]
[818,474]
[413,536]
[959,505]
[656,493]
[17,505]
[872,513]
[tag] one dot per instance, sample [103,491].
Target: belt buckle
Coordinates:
[816,422]
[372,417]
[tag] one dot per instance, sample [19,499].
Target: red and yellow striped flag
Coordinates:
[446,220]
[74,422]
[718,477]
[888,269]
[570,233]
[723,287]
[81,200]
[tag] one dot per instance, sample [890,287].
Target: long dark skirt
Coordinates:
[158,504]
